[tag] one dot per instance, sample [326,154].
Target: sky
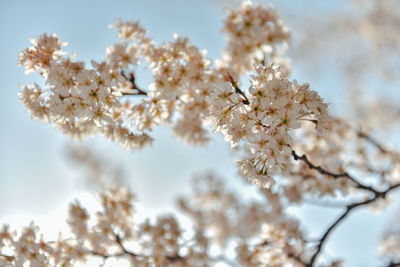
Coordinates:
[37,181]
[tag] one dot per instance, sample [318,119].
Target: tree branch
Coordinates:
[125,252]
[239,91]
[393,264]
[349,209]
[333,175]
[118,240]
[132,80]
[174,258]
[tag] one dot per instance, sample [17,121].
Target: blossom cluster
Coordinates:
[28,247]
[266,118]
[85,101]
[261,231]
[80,101]
[187,92]
[220,220]
[288,143]
[390,245]
[183,78]
[254,33]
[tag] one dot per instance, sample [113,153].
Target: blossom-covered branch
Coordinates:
[287,141]
[335,175]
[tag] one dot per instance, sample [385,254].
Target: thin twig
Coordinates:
[118,239]
[174,258]
[237,89]
[105,256]
[132,80]
[125,252]
[375,143]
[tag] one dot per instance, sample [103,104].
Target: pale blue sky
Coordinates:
[34,175]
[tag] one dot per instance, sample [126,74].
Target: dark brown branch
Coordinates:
[105,256]
[325,236]
[239,91]
[118,239]
[132,79]
[174,258]
[349,209]
[331,174]
[393,264]
[133,93]
[124,250]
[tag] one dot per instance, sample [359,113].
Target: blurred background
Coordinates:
[37,180]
